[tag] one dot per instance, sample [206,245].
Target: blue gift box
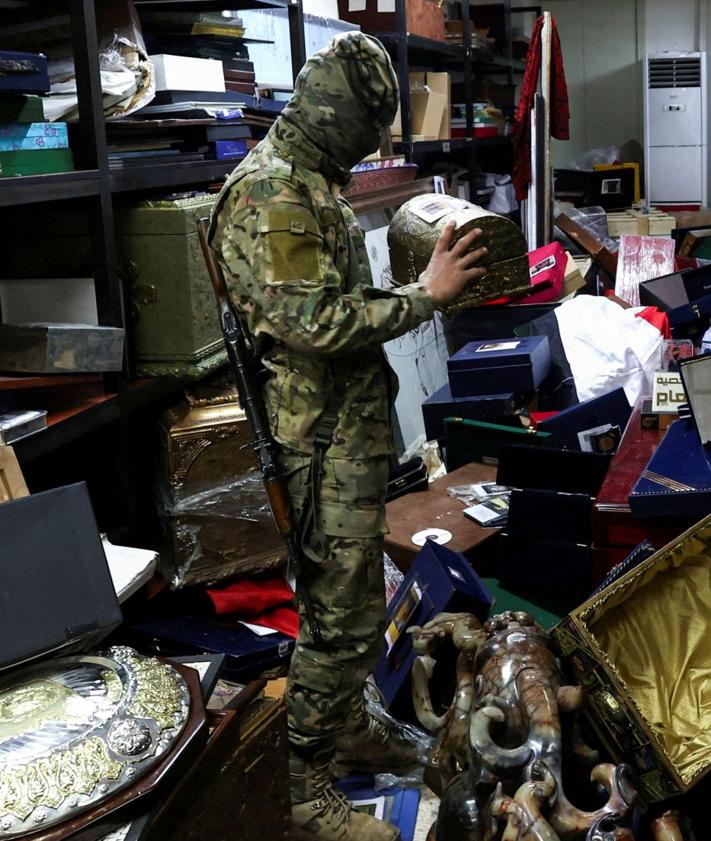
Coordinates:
[438,580]
[441,405]
[612,408]
[518,364]
[23,72]
[247,654]
[677,479]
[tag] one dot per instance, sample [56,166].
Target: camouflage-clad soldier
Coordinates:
[298,270]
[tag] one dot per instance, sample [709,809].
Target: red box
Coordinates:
[615,531]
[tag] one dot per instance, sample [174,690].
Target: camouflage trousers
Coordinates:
[344,578]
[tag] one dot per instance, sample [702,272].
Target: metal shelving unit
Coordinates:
[413,52]
[29,189]
[95,184]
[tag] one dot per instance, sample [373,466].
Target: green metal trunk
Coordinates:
[173,313]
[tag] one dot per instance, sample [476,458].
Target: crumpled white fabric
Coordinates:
[608,347]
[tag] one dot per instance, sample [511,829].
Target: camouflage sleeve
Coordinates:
[286,281]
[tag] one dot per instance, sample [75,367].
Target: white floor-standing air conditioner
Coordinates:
[675,127]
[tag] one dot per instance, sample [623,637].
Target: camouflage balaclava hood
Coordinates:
[344,95]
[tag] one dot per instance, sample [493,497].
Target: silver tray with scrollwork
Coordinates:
[75,730]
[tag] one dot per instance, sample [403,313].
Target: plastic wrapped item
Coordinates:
[503,200]
[220,532]
[272,63]
[127,77]
[586,162]
[421,740]
[594,220]
[478,492]
[393,578]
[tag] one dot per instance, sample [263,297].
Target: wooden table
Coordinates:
[434,508]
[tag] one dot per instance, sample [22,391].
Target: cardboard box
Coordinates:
[185,73]
[430,108]
[633,221]
[574,279]
[423,17]
[642,674]
[12,482]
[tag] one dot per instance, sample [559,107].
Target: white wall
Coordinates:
[603,44]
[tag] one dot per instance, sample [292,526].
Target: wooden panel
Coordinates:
[12,482]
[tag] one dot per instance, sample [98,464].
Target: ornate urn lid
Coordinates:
[75,730]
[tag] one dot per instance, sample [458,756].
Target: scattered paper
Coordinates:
[259,630]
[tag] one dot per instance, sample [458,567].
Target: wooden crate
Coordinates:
[636,222]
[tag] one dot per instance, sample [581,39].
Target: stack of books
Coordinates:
[211,35]
[206,105]
[28,144]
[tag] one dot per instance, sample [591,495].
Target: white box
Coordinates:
[184,73]
[71,300]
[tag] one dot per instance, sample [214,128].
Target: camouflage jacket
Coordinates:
[298,270]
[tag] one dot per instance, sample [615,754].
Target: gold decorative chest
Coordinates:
[642,650]
[418,224]
[213,502]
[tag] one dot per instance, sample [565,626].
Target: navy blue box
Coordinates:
[438,580]
[247,654]
[23,72]
[677,480]
[612,408]
[441,405]
[517,364]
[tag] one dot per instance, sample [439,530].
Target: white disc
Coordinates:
[437,535]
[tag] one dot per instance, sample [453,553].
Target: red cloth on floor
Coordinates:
[251,598]
[560,113]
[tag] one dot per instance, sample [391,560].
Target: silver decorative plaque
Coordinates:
[76,730]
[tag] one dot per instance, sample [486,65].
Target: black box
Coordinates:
[610,189]
[56,591]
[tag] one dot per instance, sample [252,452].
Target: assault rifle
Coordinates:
[240,351]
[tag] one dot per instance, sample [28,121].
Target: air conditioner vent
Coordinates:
[674,72]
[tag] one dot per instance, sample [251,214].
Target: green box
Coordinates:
[35,162]
[176,331]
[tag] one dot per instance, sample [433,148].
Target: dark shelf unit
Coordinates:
[28,189]
[96,184]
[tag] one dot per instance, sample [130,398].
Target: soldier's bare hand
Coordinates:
[450,269]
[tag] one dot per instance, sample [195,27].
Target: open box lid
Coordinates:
[56,590]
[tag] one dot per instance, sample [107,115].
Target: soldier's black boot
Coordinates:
[320,812]
[367,744]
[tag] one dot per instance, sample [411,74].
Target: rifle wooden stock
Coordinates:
[240,353]
[280,504]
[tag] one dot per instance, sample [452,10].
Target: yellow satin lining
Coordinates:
[657,635]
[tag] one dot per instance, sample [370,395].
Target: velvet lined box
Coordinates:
[644,675]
